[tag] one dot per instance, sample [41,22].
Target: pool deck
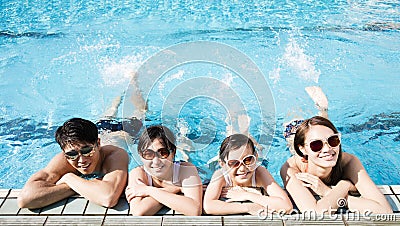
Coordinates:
[78,211]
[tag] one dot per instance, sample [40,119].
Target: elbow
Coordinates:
[138,212]
[194,212]
[25,202]
[207,208]
[110,201]
[197,211]
[288,207]
[22,202]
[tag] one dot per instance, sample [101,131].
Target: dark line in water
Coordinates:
[10,34]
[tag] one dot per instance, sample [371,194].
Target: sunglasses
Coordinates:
[74,155]
[247,161]
[149,154]
[332,141]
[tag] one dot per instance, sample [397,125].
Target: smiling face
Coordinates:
[242,174]
[85,162]
[158,167]
[326,157]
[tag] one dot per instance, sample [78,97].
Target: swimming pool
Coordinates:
[71,59]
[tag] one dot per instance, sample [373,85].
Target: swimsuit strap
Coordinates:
[253,179]
[175,172]
[228,180]
[149,178]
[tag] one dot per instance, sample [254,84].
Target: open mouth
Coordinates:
[157,169]
[328,157]
[242,175]
[84,166]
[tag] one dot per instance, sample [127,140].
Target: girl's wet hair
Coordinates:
[300,138]
[162,133]
[76,131]
[234,142]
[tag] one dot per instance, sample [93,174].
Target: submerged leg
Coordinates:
[321,103]
[137,99]
[113,110]
[241,124]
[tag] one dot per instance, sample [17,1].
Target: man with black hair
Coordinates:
[84,167]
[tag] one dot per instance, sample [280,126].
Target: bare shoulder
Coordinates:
[350,163]
[348,156]
[114,153]
[138,173]
[218,175]
[260,170]
[114,158]
[294,163]
[138,170]
[187,170]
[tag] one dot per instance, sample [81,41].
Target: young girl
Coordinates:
[239,170]
[161,181]
[320,167]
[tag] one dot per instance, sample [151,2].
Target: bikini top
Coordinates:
[175,174]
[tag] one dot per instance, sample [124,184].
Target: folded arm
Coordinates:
[212,204]
[371,198]
[105,191]
[277,198]
[151,199]
[303,197]
[140,203]
[41,189]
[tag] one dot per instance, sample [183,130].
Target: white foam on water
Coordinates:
[275,75]
[301,63]
[115,73]
[177,75]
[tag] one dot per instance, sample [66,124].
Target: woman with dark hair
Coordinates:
[161,181]
[238,181]
[320,168]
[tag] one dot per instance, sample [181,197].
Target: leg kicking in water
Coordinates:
[321,103]
[121,132]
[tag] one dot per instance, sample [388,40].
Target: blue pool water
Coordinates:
[71,59]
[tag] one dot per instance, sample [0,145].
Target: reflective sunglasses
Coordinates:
[247,161]
[332,141]
[74,155]
[149,154]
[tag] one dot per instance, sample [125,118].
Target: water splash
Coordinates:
[177,75]
[119,73]
[300,62]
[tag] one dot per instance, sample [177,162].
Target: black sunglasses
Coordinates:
[332,141]
[149,154]
[74,155]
